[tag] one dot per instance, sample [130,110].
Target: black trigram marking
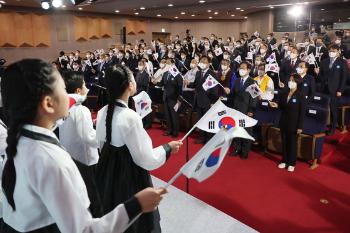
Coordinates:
[199,166]
[211,125]
[241,123]
[222,113]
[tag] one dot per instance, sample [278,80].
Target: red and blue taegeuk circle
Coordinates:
[227,122]
[213,159]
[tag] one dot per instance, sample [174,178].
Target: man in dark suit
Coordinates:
[172,90]
[203,99]
[242,101]
[183,64]
[289,65]
[309,48]
[333,74]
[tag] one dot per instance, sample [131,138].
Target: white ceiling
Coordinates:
[226,9]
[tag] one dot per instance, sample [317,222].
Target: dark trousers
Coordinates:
[333,107]
[289,147]
[201,111]
[243,145]
[171,117]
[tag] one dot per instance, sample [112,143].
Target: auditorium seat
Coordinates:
[344,106]
[320,100]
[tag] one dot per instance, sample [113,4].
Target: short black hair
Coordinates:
[61,53]
[249,66]
[73,80]
[297,78]
[334,46]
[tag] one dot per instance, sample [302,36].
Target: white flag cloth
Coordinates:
[208,159]
[272,68]
[272,58]
[210,82]
[174,71]
[238,59]
[220,116]
[310,59]
[254,90]
[218,52]
[88,62]
[143,104]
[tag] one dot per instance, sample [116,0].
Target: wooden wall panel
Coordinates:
[7,34]
[93,28]
[105,28]
[80,28]
[131,27]
[140,27]
[24,30]
[41,30]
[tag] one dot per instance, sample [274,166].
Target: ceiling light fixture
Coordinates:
[56,3]
[210,17]
[233,15]
[159,15]
[136,13]
[64,6]
[242,10]
[45,4]
[193,15]
[209,11]
[142,8]
[271,7]
[176,17]
[80,8]
[170,4]
[183,13]
[215,13]
[201,1]
[116,11]
[246,17]
[238,8]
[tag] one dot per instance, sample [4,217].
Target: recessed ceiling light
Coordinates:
[80,8]
[170,5]
[116,11]
[322,9]
[176,17]
[306,3]
[136,13]
[183,13]
[233,15]
[2,2]
[246,17]
[242,10]
[142,8]
[159,15]
[238,8]
[209,11]
[64,6]
[210,17]
[215,13]
[201,1]
[193,15]
[271,7]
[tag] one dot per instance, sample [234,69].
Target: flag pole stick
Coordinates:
[188,133]
[131,222]
[171,181]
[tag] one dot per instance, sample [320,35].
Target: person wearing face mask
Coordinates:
[142,81]
[242,101]
[76,66]
[270,39]
[163,67]
[78,137]
[292,105]
[289,65]
[343,48]
[77,56]
[213,41]
[224,77]
[309,47]
[203,99]
[308,85]
[281,46]
[183,64]
[333,74]
[71,60]
[258,60]
[321,51]
[214,64]
[188,93]
[263,52]
[265,83]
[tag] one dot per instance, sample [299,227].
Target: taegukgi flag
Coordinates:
[210,82]
[143,104]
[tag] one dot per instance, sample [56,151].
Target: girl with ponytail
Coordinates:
[43,189]
[127,153]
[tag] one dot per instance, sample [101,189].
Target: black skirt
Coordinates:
[118,179]
[4,228]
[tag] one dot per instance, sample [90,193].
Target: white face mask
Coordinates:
[242,72]
[193,65]
[292,85]
[202,66]
[268,38]
[285,47]
[257,63]
[257,44]
[293,55]
[300,70]
[224,67]
[337,41]
[262,51]
[162,65]
[306,43]
[332,54]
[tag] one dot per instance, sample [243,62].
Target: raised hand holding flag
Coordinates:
[210,82]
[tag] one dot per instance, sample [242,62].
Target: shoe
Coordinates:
[199,141]
[235,152]
[166,134]
[282,165]
[291,168]
[244,156]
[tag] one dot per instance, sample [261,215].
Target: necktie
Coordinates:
[331,63]
[241,84]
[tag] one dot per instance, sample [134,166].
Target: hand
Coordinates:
[281,85]
[338,94]
[227,90]
[175,146]
[186,82]
[317,70]
[299,131]
[250,114]
[150,198]
[273,104]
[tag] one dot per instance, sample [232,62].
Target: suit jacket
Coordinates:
[240,99]
[203,98]
[286,69]
[172,87]
[333,79]
[142,81]
[308,86]
[293,111]
[183,67]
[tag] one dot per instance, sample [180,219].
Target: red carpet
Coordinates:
[257,193]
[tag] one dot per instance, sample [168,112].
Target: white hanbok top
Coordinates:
[78,135]
[127,129]
[49,189]
[3,145]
